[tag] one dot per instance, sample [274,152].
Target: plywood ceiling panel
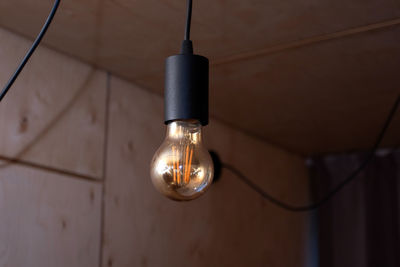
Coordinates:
[131,38]
[327,97]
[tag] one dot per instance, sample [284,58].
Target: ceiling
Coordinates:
[313,76]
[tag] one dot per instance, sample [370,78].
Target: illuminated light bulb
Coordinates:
[182,168]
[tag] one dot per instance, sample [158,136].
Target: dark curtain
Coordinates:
[360,225]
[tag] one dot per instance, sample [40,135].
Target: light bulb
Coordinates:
[182,168]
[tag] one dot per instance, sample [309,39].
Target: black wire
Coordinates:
[31,50]
[340,186]
[224,165]
[188,19]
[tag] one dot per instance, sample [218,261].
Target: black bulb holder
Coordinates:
[186,86]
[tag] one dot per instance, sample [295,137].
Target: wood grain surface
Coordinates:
[229,226]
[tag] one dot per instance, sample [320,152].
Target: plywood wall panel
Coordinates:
[54,114]
[230,225]
[48,219]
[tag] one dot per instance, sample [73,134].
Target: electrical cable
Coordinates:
[239,174]
[333,192]
[31,50]
[188,19]
[187,46]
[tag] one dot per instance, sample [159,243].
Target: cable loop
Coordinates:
[333,192]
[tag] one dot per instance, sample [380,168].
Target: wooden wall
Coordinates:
[75,147]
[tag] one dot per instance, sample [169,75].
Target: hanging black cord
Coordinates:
[187,47]
[31,50]
[340,186]
[188,19]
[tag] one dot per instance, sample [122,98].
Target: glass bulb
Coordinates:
[182,168]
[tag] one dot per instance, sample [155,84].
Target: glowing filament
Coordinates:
[184,177]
